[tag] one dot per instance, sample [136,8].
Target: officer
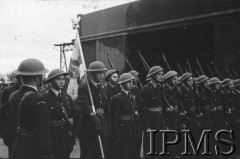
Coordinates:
[28,119]
[91,125]
[112,88]
[204,101]
[152,105]
[60,108]
[5,96]
[217,101]
[124,119]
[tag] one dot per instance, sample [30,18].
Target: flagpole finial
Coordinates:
[76,22]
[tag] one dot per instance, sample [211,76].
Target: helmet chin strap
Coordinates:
[112,82]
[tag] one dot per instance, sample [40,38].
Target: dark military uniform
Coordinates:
[188,99]
[60,109]
[35,139]
[124,125]
[152,112]
[231,112]
[205,105]
[87,129]
[218,115]
[5,96]
[111,90]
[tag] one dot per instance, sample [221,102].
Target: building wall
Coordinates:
[115,49]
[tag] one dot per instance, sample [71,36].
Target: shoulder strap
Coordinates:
[24,96]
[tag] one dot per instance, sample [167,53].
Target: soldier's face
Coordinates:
[58,82]
[174,80]
[206,84]
[217,86]
[189,82]
[128,85]
[114,77]
[159,76]
[98,76]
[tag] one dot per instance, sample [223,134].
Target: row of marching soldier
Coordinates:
[44,125]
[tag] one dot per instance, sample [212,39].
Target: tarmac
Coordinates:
[4,150]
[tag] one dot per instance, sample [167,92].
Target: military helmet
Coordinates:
[125,77]
[214,80]
[201,79]
[154,69]
[236,82]
[134,73]
[96,66]
[226,82]
[179,80]
[109,73]
[185,76]
[169,74]
[31,67]
[54,73]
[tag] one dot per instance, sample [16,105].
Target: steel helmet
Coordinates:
[125,77]
[214,80]
[202,78]
[55,73]
[96,66]
[169,74]
[226,82]
[236,82]
[134,73]
[185,76]
[154,69]
[179,80]
[109,73]
[30,67]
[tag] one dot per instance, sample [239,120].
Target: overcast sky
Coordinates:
[30,28]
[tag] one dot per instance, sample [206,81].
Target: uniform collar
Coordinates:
[31,86]
[126,92]
[55,91]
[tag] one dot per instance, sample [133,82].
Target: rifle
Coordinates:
[189,66]
[199,65]
[110,62]
[166,62]
[147,67]
[129,64]
[210,70]
[229,73]
[236,74]
[197,72]
[215,68]
[180,68]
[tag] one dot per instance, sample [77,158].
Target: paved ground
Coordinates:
[4,151]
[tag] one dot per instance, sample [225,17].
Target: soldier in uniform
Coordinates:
[188,100]
[229,103]
[124,120]
[91,125]
[112,88]
[5,96]
[28,120]
[137,86]
[152,105]
[204,101]
[60,107]
[218,114]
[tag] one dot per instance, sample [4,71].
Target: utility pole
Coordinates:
[64,47]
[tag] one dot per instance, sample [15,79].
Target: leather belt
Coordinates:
[125,117]
[152,109]
[99,111]
[55,123]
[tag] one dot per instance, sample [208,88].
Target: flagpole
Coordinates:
[76,26]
